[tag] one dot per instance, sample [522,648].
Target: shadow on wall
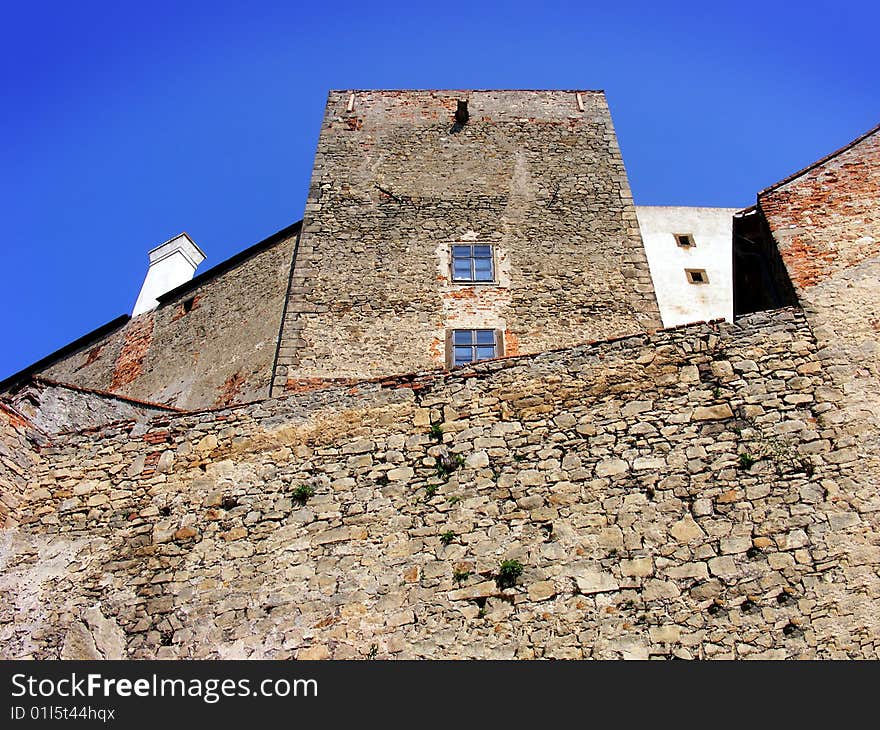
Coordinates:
[760,279]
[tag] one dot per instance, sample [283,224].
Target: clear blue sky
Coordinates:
[125,123]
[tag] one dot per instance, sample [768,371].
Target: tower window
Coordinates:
[473,345]
[697,276]
[685,240]
[472,263]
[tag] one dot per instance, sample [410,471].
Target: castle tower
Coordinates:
[447,226]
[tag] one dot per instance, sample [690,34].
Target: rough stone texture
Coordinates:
[211,345]
[338,523]
[56,407]
[825,221]
[19,455]
[395,185]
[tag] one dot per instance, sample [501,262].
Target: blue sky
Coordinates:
[126,123]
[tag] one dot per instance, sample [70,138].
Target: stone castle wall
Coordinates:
[684,493]
[56,407]
[212,345]
[19,457]
[826,225]
[396,184]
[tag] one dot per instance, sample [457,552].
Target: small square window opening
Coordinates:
[697,276]
[685,240]
[472,346]
[472,263]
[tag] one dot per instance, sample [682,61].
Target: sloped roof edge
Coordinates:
[123,319]
[821,161]
[40,380]
[68,349]
[230,263]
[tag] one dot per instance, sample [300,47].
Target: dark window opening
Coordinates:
[760,279]
[473,345]
[188,305]
[697,276]
[685,240]
[472,263]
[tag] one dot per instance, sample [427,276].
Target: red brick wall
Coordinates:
[826,224]
[828,219]
[129,364]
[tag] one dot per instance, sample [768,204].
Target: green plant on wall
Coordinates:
[447,537]
[508,572]
[746,460]
[777,451]
[302,493]
[447,463]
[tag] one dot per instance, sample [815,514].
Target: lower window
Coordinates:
[473,345]
[696,276]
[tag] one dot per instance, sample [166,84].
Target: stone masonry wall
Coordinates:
[684,493]
[19,457]
[56,407]
[396,184]
[212,345]
[826,224]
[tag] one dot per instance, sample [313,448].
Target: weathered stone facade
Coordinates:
[58,407]
[825,223]
[709,491]
[209,343]
[19,455]
[686,493]
[538,175]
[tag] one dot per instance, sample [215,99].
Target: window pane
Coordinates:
[461,269]
[461,252]
[483,252]
[483,269]
[462,337]
[463,355]
[484,353]
[485,337]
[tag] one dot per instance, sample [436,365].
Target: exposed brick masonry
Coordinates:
[826,224]
[129,365]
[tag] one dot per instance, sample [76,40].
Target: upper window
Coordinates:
[685,240]
[473,345]
[472,263]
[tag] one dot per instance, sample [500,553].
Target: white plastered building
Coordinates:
[690,255]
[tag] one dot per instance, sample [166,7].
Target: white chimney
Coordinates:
[171,264]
